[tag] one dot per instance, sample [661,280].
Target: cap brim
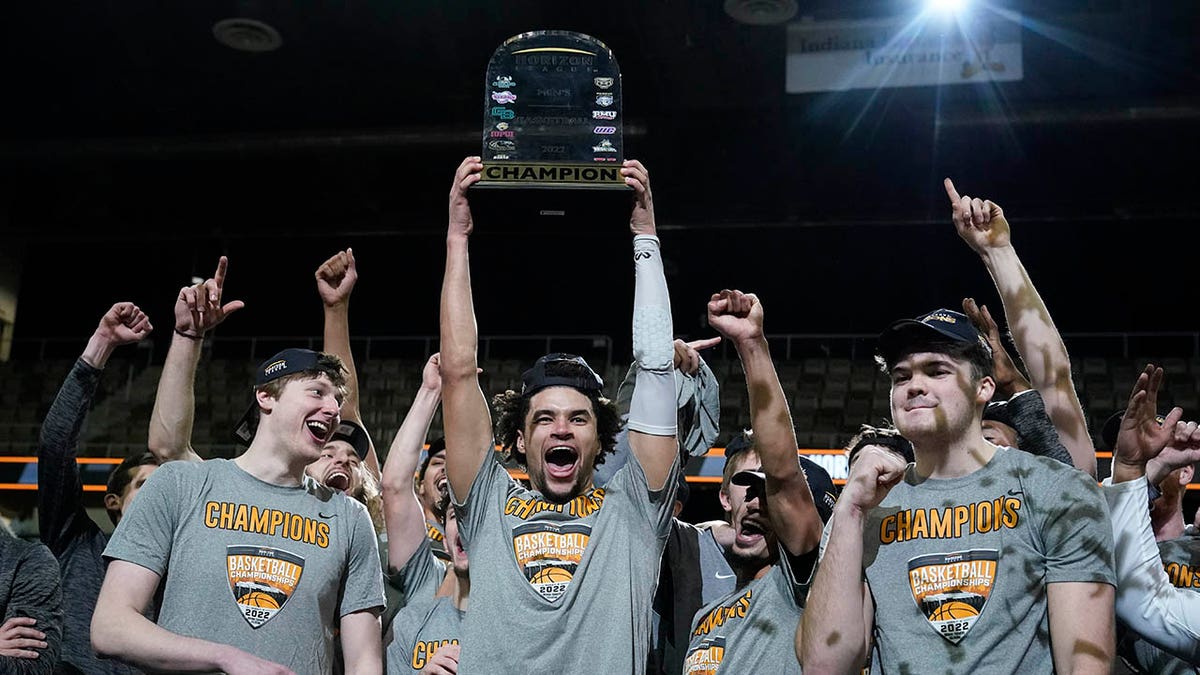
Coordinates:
[893,335]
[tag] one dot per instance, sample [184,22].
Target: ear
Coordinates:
[1186,474]
[521,441]
[265,400]
[112,502]
[724,497]
[985,391]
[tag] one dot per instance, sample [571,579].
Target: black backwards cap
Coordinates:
[1112,426]
[436,446]
[997,411]
[353,433]
[286,362]
[824,492]
[944,322]
[582,378]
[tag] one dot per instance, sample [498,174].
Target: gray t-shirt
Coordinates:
[561,588]
[752,629]
[958,567]
[262,567]
[1181,561]
[421,629]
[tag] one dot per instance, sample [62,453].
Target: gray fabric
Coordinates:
[421,629]
[416,580]
[698,399]
[64,525]
[1181,561]
[30,587]
[437,538]
[316,558]
[694,574]
[1033,425]
[751,629]
[975,596]
[561,588]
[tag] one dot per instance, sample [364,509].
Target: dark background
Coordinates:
[134,149]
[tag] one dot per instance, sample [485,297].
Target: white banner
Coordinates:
[902,52]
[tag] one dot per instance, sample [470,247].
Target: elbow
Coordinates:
[106,634]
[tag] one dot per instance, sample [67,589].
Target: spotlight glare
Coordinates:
[946,6]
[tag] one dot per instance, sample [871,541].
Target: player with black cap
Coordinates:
[986,558]
[569,567]
[776,506]
[260,566]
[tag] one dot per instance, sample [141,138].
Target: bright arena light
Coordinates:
[946,6]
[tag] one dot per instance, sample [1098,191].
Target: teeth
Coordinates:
[319,426]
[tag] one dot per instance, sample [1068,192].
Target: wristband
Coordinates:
[190,337]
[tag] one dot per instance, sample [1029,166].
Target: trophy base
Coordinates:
[550,207]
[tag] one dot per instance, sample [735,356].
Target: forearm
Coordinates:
[834,638]
[1166,616]
[171,421]
[653,408]
[459,335]
[59,493]
[337,342]
[361,644]
[774,434]
[127,635]
[403,514]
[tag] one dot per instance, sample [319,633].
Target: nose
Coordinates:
[562,428]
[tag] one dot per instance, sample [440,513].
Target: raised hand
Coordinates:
[1183,449]
[641,221]
[980,223]
[1009,379]
[18,638]
[198,308]
[431,374]
[874,474]
[336,278]
[1141,438]
[123,324]
[687,354]
[468,173]
[736,315]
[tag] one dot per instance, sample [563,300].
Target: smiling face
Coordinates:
[746,509]
[303,416]
[458,554]
[338,467]
[560,443]
[933,397]
[434,483]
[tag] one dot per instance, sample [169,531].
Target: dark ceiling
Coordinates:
[127,130]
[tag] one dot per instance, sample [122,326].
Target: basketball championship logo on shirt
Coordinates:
[951,589]
[706,658]
[434,532]
[262,579]
[549,553]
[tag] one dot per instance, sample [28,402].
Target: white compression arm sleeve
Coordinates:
[652,409]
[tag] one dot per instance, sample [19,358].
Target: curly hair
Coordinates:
[511,409]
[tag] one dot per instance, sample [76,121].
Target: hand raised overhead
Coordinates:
[123,324]
[469,172]
[1141,437]
[336,278]
[980,223]
[198,308]
[641,221]
[736,315]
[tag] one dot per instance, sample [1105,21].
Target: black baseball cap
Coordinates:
[1112,426]
[353,433]
[286,362]
[580,377]
[824,492]
[743,441]
[946,323]
[997,411]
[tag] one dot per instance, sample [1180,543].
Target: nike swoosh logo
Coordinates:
[1014,493]
[724,576]
[327,517]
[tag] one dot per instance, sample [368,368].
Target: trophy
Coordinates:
[552,141]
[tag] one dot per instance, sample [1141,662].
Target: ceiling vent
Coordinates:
[247,35]
[761,12]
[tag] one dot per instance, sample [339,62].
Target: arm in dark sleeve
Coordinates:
[60,493]
[37,594]
[1038,435]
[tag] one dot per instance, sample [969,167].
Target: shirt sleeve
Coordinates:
[420,576]
[473,509]
[656,506]
[699,411]
[146,531]
[364,583]
[36,593]
[1165,616]
[1076,533]
[61,513]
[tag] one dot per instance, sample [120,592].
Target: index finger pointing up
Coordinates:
[951,192]
[219,275]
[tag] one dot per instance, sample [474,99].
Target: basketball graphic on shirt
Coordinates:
[262,579]
[951,589]
[549,554]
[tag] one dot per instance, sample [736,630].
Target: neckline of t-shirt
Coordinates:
[288,489]
[912,479]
